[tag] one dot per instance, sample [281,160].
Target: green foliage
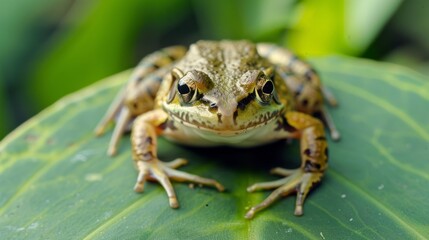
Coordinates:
[101,42]
[311,27]
[20,21]
[255,20]
[57,181]
[338,26]
[410,22]
[3,120]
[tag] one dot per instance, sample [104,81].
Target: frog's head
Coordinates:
[225,107]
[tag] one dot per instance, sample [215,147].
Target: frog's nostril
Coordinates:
[213,107]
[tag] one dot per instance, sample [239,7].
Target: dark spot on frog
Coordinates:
[147,156]
[156,65]
[135,106]
[304,102]
[149,140]
[168,124]
[298,90]
[326,153]
[317,103]
[307,152]
[310,166]
[219,118]
[282,124]
[234,117]
[321,138]
[150,92]
[170,57]
[309,74]
[243,102]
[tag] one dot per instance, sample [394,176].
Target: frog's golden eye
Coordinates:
[187,92]
[192,85]
[265,92]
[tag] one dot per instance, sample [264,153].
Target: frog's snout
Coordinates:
[226,114]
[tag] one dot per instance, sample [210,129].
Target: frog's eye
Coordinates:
[187,92]
[265,92]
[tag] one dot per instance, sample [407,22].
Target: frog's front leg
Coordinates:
[314,161]
[144,143]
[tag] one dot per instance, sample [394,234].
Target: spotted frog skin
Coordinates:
[232,93]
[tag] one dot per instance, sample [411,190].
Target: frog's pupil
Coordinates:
[268,87]
[183,88]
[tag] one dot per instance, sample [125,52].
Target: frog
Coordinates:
[224,93]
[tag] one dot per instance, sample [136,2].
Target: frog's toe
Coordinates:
[181,176]
[156,170]
[164,180]
[176,163]
[282,171]
[141,179]
[296,180]
[265,185]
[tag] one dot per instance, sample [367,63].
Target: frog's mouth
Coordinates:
[227,127]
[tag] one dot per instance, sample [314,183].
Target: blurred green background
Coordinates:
[49,48]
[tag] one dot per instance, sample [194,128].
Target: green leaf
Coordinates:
[23,23]
[58,183]
[338,26]
[364,21]
[255,19]
[100,41]
[3,120]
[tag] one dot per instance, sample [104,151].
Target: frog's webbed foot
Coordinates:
[295,180]
[144,144]
[314,161]
[162,172]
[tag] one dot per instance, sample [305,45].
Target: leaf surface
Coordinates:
[57,182]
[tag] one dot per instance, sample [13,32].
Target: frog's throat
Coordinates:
[225,129]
